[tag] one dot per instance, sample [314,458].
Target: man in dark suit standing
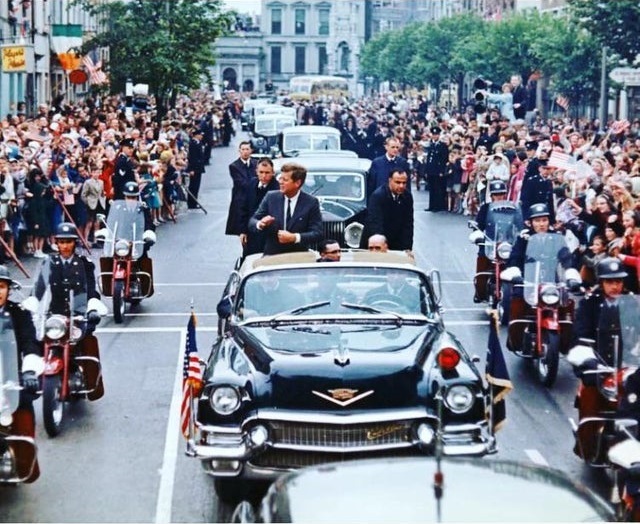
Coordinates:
[291,218]
[520,97]
[382,166]
[196,162]
[436,156]
[124,170]
[253,241]
[390,213]
[242,171]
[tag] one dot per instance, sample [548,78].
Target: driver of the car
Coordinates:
[396,289]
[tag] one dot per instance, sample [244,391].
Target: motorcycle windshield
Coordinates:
[542,263]
[125,223]
[504,222]
[628,329]
[9,379]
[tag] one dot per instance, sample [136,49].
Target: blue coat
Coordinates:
[381,169]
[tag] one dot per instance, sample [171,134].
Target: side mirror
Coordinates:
[101,218]
[436,283]
[472,224]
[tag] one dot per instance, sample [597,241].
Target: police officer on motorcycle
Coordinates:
[596,320]
[498,193]
[31,365]
[69,276]
[539,219]
[133,204]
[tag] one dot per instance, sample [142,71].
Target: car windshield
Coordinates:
[334,290]
[272,126]
[313,142]
[335,185]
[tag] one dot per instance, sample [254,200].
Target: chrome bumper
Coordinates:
[227,451]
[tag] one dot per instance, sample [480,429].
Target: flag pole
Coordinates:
[494,321]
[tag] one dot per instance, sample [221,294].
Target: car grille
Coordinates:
[343,437]
[334,230]
[293,459]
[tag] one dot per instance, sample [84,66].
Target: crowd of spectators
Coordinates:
[58,165]
[589,174]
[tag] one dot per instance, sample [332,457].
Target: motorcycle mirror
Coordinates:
[102,218]
[472,224]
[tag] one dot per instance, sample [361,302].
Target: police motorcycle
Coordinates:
[18,453]
[72,369]
[542,330]
[609,397]
[126,272]
[503,224]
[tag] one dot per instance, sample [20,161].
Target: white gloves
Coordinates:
[476,236]
[510,273]
[98,306]
[33,363]
[31,304]
[149,237]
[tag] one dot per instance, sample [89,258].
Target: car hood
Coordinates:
[334,211]
[330,367]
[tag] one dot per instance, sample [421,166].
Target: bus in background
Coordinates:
[318,87]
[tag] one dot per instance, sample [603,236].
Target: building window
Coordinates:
[276,59]
[323,27]
[300,59]
[322,60]
[300,21]
[276,21]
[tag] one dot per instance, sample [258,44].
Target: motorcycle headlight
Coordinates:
[55,327]
[353,234]
[504,250]
[459,399]
[550,295]
[122,248]
[224,400]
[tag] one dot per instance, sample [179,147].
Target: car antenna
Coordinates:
[438,476]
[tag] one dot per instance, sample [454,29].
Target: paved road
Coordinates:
[121,459]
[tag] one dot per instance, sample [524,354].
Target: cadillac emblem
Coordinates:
[343,396]
[343,393]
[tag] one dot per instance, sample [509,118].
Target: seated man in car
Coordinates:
[396,290]
[267,294]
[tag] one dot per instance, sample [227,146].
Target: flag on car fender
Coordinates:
[191,377]
[497,376]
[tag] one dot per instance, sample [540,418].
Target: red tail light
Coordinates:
[448,358]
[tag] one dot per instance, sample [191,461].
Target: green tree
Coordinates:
[370,55]
[614,24]
[165,44]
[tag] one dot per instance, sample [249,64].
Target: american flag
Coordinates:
[562,161]
[191,377]
[563,102]
[96,75]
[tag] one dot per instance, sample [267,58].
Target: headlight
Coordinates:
[550,295]
[459,399]
[122,248]
[504,250]
[353,234]
[224,400]
[55,327]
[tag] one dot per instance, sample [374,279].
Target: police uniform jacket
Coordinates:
[24,330]
[78,276]
[123,172]
[597,319]
[537,190]
[436,156]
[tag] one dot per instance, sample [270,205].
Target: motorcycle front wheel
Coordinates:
[53,406]
[118,302]
[549,359]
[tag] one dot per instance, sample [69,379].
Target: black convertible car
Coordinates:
[328,361]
